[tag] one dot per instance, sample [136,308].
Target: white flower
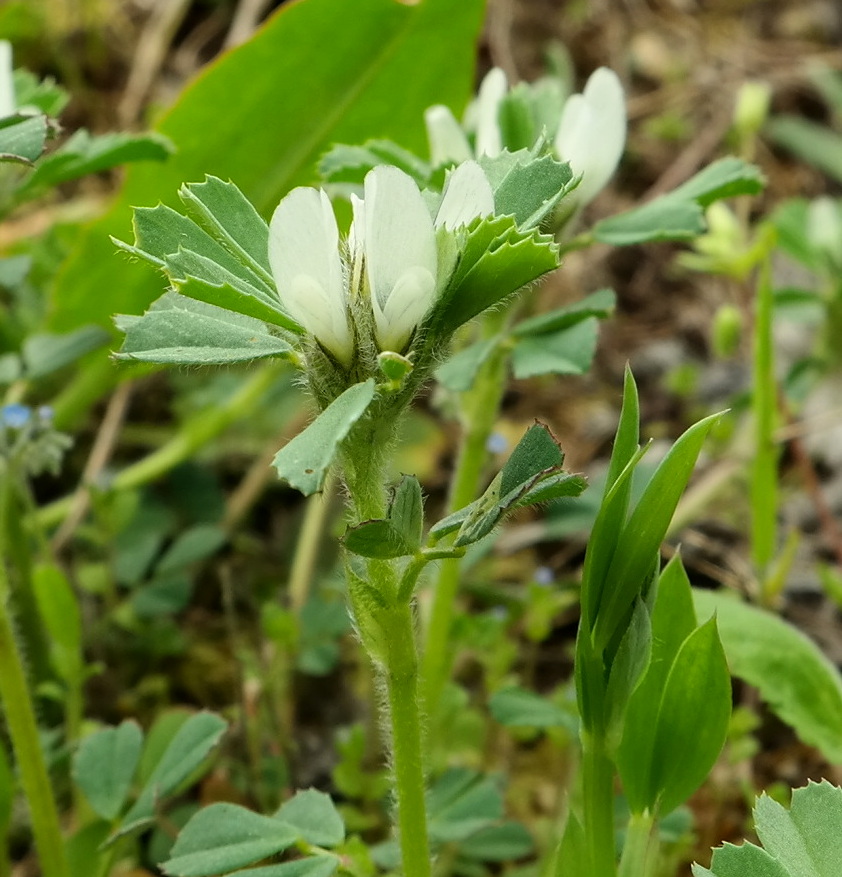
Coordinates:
[492,90]
[305,262]
[393,254]
[8,105]
[592,132]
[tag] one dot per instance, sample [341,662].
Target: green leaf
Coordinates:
[516,707]
[406,510]
[645,529]
[696,705]
[496,260]
[599,304]
[530,188]
[458,372]
[400,533]
[679,215]
[462,802]
[564,352]
[22,138]
[59,611]
[813,143]
[627,668]
[350,164]
[536,460]
[263,113]
[184,754]
[664,219]
[229,217]
[195,544]
[572,858]
[104,766]
[315,817]
[312,866]
[177,329]
[222,837]
[7,791]
[726,178]
[612,511]
[85,154]
[793,675]
[46,353]
[506,842]
[304,461]
[804,841]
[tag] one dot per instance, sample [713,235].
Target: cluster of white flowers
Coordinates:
[398,256]
[591,132]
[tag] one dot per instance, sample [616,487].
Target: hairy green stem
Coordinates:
[482,404]
[598,787]
[23,731]
[641,848]
[401,674]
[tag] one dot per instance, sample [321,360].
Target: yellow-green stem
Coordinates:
[641,848]
[307,546]
[598,799]
[23,731]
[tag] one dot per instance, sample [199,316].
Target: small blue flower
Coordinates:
[45,414]
[496,443]
[543,576]
[15,416]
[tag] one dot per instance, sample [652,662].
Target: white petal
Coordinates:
[8,105]
[399,238]
[492,90]
[406,306]
[467,195]
[592,132]
[447,140]
[306,266]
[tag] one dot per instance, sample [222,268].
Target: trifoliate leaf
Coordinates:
[304,461]
[104,766]
[804,841]
[22,138]
[520,708]
[530,190]
[725,178]
[664,219]
[85,153]
[184,754]
[533,473]
[567,351]
[458,372]
[795,678]
[229,217]
[350,164]
[315,816]
[177,329]
[599,304]
[496,260]
[222,837]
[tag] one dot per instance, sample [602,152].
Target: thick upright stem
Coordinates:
[640,850]
[407,755]
[23,730]
[598,787]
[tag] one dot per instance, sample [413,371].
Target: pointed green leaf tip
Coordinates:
[804,841]
[304,461]
[532,474]
[178,329]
